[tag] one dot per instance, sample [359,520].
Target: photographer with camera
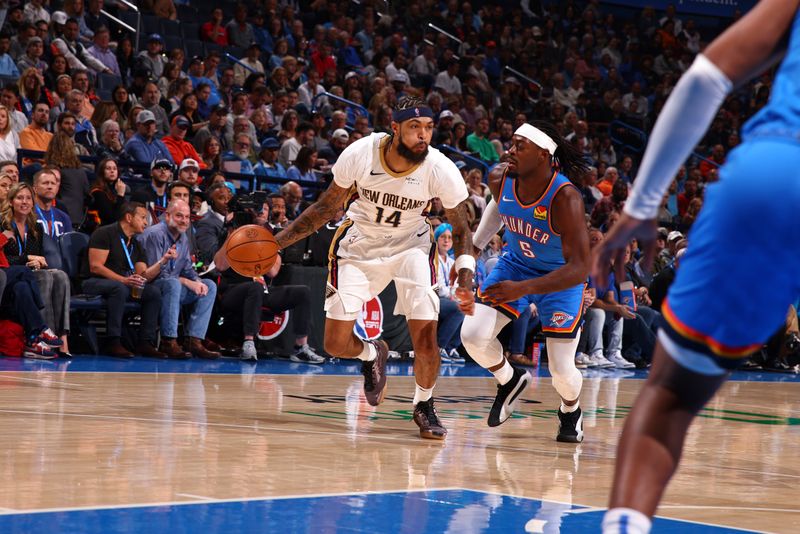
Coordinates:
[243,299]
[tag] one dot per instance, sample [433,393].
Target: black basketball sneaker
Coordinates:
[570,426]
[430,427]
[375,374]
[507,396]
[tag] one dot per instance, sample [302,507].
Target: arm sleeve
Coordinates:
[686,116]
[490,224]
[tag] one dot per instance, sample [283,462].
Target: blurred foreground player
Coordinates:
[386,182]
[743,236]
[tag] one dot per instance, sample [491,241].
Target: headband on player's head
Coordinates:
[538,137]
[412,113]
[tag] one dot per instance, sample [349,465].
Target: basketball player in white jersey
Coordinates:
[385,182]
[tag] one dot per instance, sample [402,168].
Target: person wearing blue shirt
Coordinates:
[179,283]
[143,146]
[268,164]
[7,65]
[303,168]
[236,160]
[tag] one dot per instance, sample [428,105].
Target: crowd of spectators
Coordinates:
[269,93]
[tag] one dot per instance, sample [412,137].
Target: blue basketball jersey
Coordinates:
[532,242]
[781,116]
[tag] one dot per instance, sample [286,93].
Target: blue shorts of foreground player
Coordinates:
[561,313]
[740,272]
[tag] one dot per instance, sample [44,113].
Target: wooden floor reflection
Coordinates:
[105,439]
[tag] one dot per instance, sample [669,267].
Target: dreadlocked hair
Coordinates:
[569,161]
[409,102]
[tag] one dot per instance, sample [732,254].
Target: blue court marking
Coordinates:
[107,364]
[451,510]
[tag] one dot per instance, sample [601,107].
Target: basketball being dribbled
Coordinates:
[251,250]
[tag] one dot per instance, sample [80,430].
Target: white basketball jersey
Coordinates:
[386,204]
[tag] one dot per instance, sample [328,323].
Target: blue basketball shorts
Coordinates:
[741,270]
[561,313]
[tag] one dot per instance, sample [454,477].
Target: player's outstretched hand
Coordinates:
[465,299]
[503,292]
[611,251]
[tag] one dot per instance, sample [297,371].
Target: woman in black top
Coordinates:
[107,194]
[27,248]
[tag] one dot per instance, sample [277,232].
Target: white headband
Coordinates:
[538,137]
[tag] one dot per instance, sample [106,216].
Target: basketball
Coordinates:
[251,250]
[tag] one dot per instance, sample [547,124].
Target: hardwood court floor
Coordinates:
[86,440]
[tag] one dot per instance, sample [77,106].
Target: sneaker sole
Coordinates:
[569,439]
[432,434]
[514,399]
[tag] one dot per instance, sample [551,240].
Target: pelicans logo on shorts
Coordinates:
[559,319]
[369,324]
[540,212]
[274,328]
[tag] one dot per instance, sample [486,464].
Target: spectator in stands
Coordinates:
[116,265]
[34,51]
[78,57]
[322,60]
[7,65]
[35,136]
[27,248]
[165,9]
[450,317]
[478,142]
[691,213]
[311,88]
[9,141]
[237,160]
[626,169]
[303,168]
[153,196]
[277,212]
[152,58]
[9,97]
[151,99]
[716,160]
[610,177]
[107,193]
[244,299]
[591,194]
[53,221]
[690,191]
[240,32]
[10,169]
[607,205]
[214,31]
[339,141]
[447,80]
[101,51]
[179,283]
[293,198]
[85,133]
[268,164]
[110,145]
[143,146]
[74,188]
[34,11]
[304,137]
[189,173]
[663,280]
[215,128]
[178,147]
[212,154]
[635,103]
[248,64]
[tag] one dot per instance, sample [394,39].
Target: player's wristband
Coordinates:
[465,261]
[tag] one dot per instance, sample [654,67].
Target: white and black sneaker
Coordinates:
[570,426]
[507,396]
[306,354]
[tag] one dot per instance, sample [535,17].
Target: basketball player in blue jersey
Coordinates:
[745,235]
[546,264]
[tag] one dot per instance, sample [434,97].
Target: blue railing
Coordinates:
[358,107]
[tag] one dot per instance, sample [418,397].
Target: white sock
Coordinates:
[421,394]
[569,409]
[368,353]
[627,520]
[505,373]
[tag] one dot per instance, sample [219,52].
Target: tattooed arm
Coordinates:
[462,244]
[320,212]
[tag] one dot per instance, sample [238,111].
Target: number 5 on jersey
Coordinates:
[526,249]
[393,219]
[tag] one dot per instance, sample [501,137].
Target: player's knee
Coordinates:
[336,344]
[474,334]
[567,379]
